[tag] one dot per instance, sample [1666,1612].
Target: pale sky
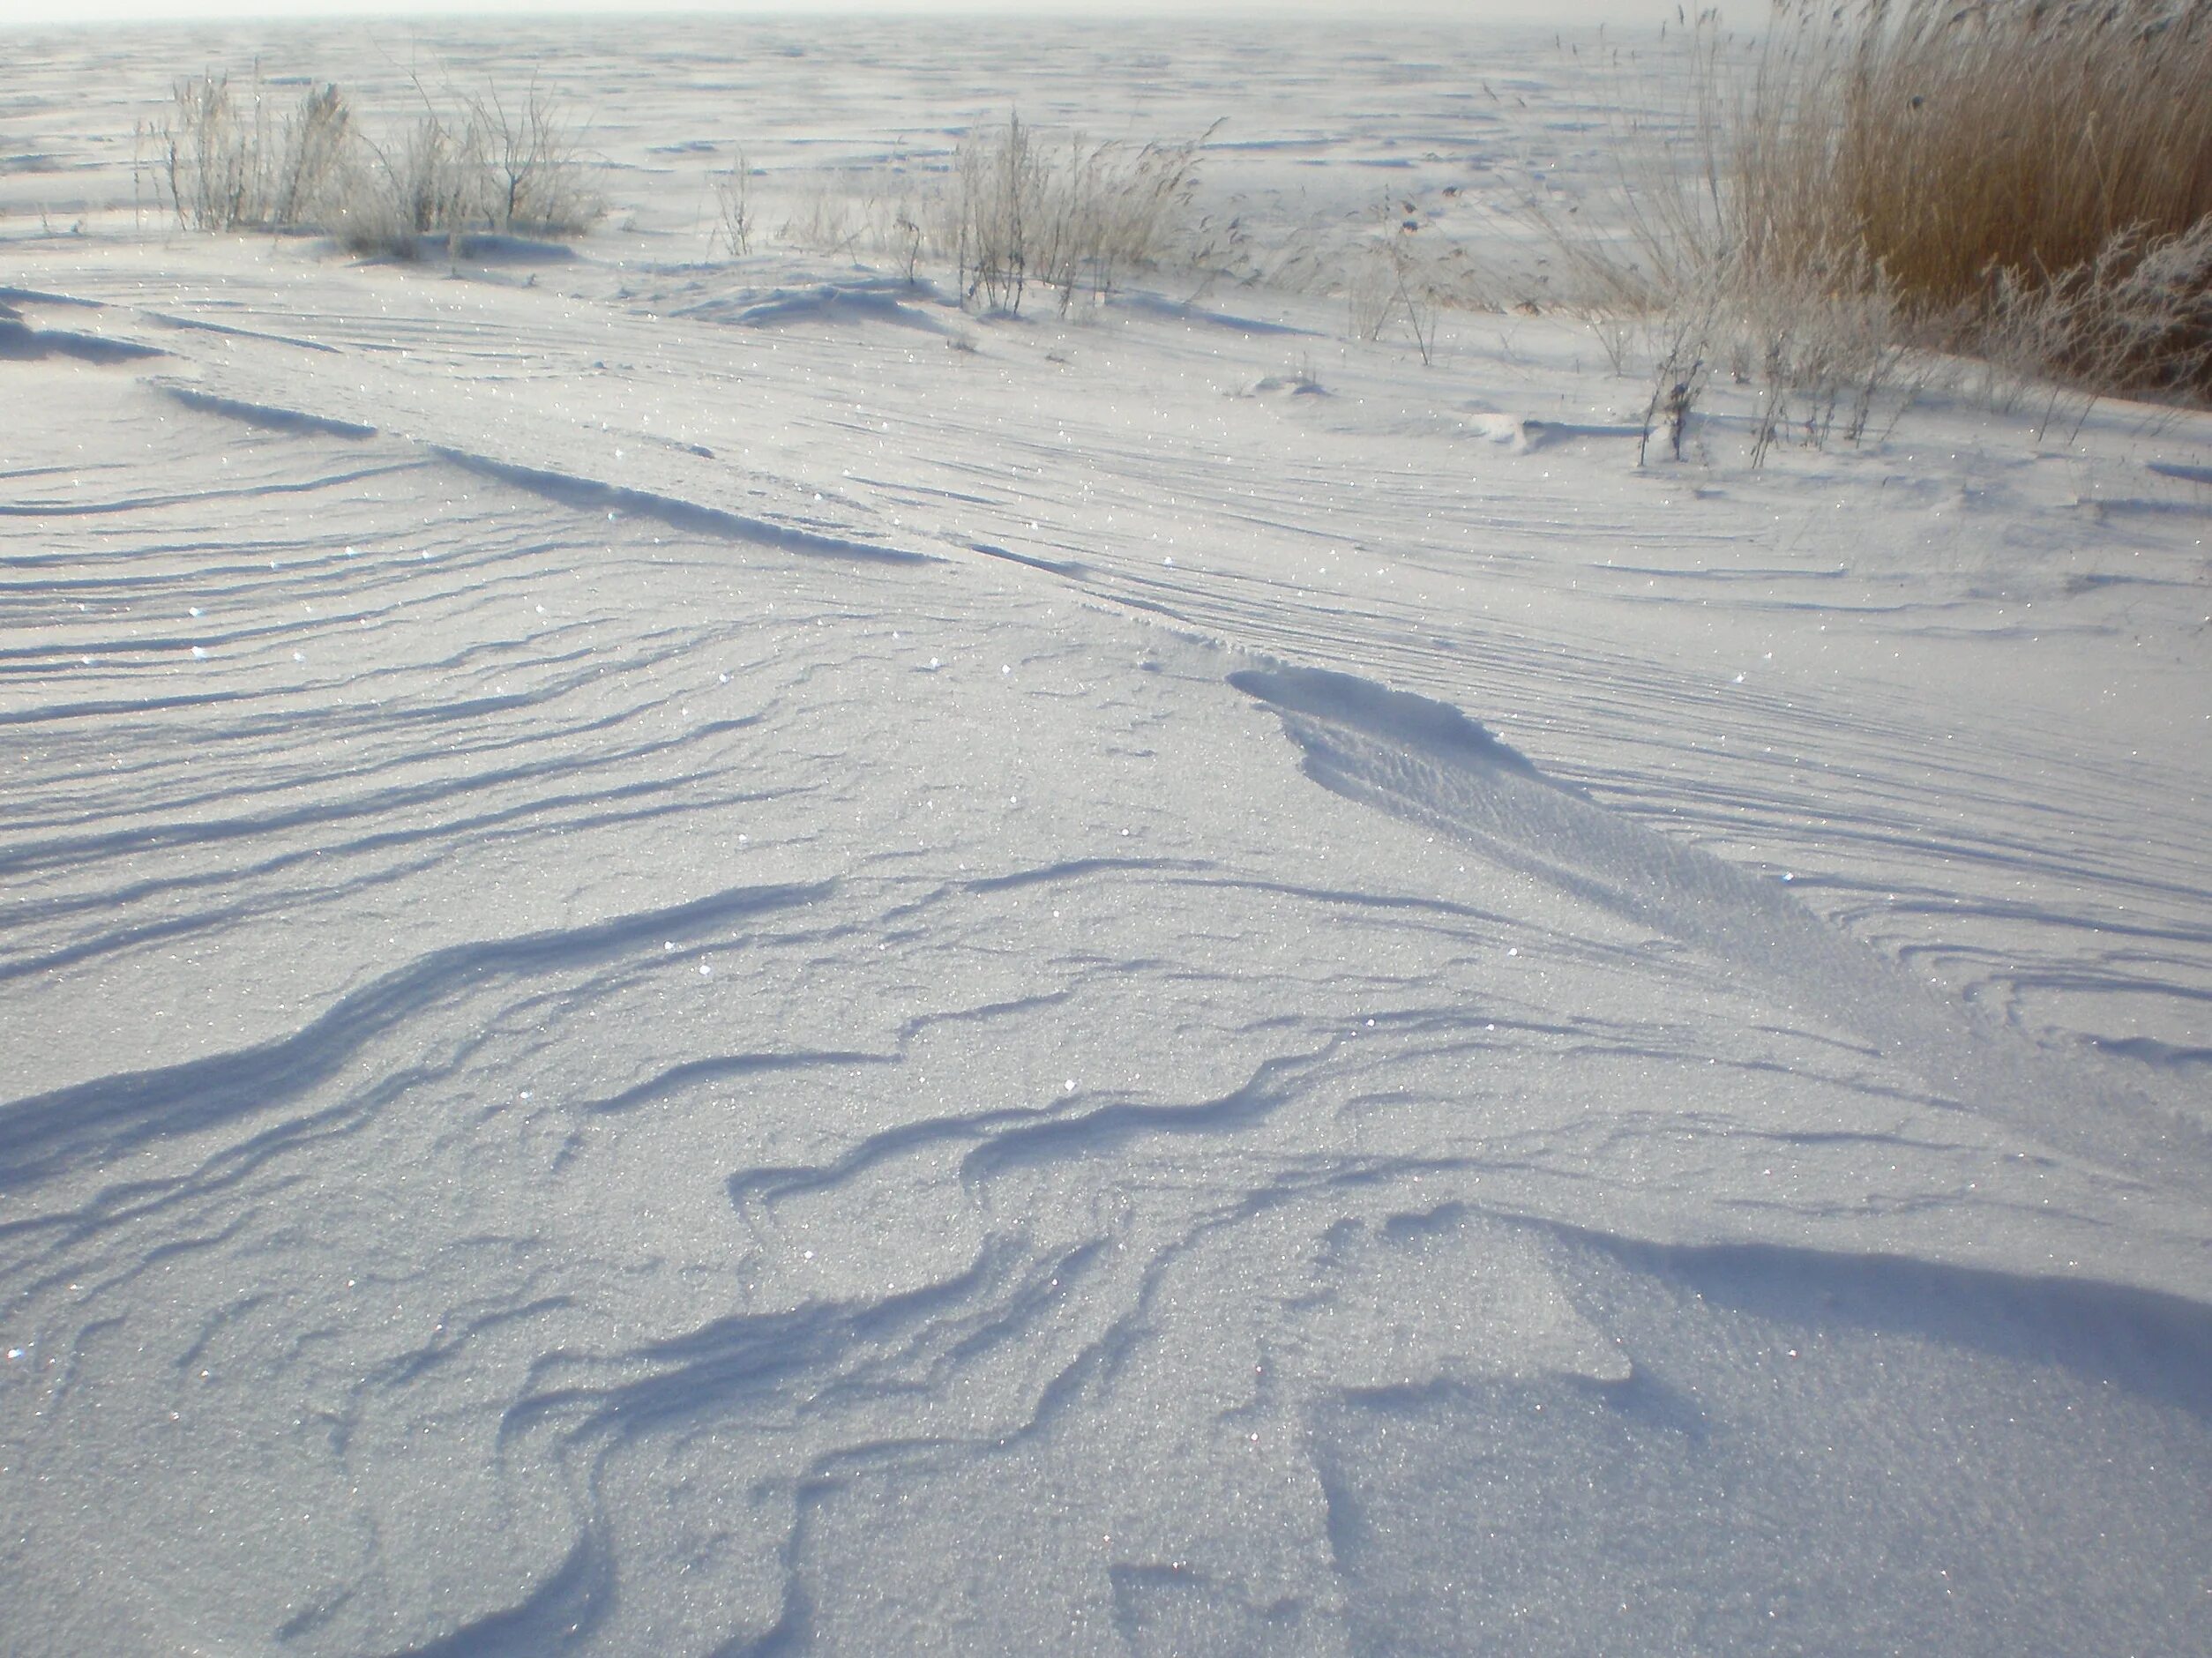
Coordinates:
[1557,11]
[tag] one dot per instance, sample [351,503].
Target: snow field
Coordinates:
[708,957]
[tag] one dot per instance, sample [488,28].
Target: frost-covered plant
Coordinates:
[838,214]
[733,207]
[215,153]
[418,182]
[490,163]
[317,136]
[2136,318]
[1012,211]
[225,166]
[528,155]
[997,179]
[1679,376]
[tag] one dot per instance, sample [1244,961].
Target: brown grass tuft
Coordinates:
[2031,174]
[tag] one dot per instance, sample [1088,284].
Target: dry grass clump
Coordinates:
[2023,183]
[1012,209]
[2019,175]
[1068,215]
[1399,277]
[485,163]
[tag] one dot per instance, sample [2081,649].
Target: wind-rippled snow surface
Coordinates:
[702,956]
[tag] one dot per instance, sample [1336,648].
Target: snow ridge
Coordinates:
[1428,763]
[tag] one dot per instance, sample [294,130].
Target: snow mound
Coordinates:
[875,301]
[1523,435]
[1285,385]
[1138,303]
[20,342]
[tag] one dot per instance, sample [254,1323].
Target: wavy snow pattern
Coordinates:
[666,988]
[753,1239]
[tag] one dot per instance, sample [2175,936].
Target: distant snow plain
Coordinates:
[701,955]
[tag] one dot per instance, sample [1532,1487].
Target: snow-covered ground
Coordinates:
[704,956]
